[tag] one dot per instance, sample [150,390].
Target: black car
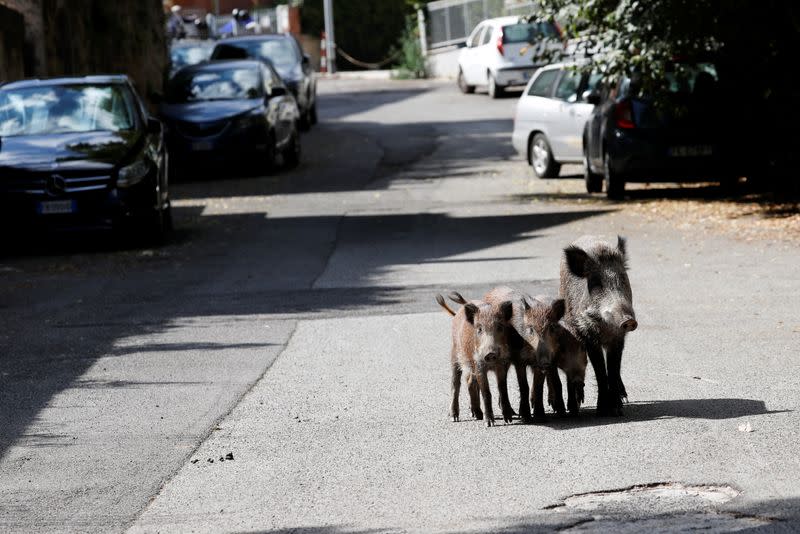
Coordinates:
[632,137]
[81,151]
[230,111]
[285,54]
[185,52]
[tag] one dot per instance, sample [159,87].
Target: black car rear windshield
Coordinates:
[216,84]
[529,32]
[280,52]
[62,109]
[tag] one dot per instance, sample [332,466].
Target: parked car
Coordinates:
[222,111]
[187,52]
[550,118]
[284,53]
[505,52]
[82,151]
[631,137]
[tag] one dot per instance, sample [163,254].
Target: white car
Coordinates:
[503,52]
[551,114]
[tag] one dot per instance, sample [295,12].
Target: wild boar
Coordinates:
[595,286]
[478,346]
[528,344]
[569,356]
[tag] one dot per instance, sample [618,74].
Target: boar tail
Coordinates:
[456,297]
[443,304]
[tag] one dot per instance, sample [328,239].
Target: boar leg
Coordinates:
[537,395]
[502,386]
[483,385]
[555,396]
[599,366]
[455,388]
[616,388]
[574,394]
[474,399]
[522,381]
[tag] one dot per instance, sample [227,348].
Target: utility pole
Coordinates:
[329,45]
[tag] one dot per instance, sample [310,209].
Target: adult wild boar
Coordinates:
[595,286]
[478,346]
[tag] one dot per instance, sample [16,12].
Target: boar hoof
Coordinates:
[489,421]
[508,416]
[455,419]
[477,414]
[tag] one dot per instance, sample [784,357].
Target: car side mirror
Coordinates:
[592,97]
[154,125]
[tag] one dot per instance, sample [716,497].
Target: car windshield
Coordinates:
[698,79]
[279,52]
[60,109]
[529,32]
[189,55]
[217,84]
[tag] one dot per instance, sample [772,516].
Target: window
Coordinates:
[568,86]
[474,39]
[217,84]
[543,85]
[529,32]
[65,109]
[487,36]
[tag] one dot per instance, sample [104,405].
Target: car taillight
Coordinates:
[623,115]
[500,43]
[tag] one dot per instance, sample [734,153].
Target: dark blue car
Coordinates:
[230,111]
[631,137]
[81,151]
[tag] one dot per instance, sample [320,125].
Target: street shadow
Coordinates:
[339,104]
[709,409]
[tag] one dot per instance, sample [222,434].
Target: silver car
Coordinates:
[551,114]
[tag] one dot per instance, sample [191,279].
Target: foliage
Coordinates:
[365,29]
[411,63]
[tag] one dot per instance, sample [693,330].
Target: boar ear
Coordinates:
[577,260]
[507,309]
[621,243]
[470,310]
[557,310]
[525,304]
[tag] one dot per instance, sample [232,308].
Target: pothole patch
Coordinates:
[661,507]
[670,495]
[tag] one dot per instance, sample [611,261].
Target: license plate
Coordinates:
[52,207]
[202,145]
[691,151]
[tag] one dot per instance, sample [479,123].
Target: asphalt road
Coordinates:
[291,324]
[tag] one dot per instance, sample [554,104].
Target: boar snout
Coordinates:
[628,324]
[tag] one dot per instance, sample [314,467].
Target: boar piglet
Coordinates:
[595,285]
[478,346]
[527,345]
[568,355]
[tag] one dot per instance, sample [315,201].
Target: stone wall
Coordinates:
[79,37]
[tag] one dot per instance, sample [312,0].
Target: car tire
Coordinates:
[612,180]
[270,153]
[494,90]
[544,166]
[291,154]
[594,181]
[462,84]
[313,113]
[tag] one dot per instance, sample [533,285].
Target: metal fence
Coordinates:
[451,21]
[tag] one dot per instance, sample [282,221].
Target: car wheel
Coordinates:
[594,181]
[268,163]
[495,91]
[291,154]
[313,113]
[544,166]
[614,183]
[462,84]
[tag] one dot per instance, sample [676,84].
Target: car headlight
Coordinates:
[133,173]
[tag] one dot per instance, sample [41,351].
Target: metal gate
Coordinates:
[451,21]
